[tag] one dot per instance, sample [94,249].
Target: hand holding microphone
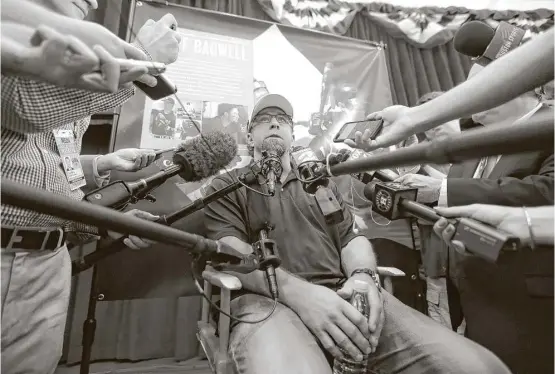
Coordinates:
[127,159]
[196,159]
[513,220]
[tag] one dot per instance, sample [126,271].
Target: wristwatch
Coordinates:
[375,277]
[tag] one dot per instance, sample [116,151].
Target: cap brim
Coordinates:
[272,101]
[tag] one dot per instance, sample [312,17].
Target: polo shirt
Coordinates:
[307,246]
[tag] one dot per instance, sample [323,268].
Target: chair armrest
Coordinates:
[390,272]
[222,280]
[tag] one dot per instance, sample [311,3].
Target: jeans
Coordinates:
[35,298]
[410,343]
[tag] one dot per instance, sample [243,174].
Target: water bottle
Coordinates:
[347,365]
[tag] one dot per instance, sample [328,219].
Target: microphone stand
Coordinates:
[116,246]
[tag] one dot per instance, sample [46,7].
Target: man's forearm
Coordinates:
[30,14]
[512,75]
[358,253]
[289,286]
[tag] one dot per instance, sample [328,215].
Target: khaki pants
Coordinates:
[438,304]
[35,298]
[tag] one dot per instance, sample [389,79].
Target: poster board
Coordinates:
[226,62]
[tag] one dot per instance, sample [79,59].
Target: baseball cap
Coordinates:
[271,101]
[169,100]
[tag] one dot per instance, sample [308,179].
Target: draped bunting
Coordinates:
[425,27]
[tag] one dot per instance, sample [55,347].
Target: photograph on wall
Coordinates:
[229,118]
[211,70]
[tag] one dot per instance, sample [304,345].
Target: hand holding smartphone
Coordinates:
[349,129]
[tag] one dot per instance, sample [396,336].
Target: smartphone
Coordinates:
[162,89]
[349,129]
[154,68]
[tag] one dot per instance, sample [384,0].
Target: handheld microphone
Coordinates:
[265,250]
[396,201]
[307,164]
[272,150]
[479,40]
[195,159]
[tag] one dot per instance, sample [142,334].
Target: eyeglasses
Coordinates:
[282,119]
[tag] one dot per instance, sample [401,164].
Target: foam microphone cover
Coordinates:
[369,191]
[205,155]
[472,38]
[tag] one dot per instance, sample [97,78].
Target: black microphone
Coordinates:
[118,245]
[396,201]
[194,160]
[272,149]
[532,135]
[478,39]
[27,197]
[307,164]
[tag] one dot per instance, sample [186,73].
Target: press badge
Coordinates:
[65,140]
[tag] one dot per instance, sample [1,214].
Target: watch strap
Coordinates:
[373,274]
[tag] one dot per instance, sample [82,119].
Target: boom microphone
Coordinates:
[118,245]
[532,135]
[396,201]
[27,197]
[477,39]
[194,160]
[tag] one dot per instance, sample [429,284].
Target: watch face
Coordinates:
[383,201]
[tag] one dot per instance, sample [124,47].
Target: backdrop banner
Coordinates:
[225,64]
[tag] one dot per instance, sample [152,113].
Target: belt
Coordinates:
[32,238]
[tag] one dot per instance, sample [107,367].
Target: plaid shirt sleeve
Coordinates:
[33,107]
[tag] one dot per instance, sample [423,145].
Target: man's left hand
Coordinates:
[160,39]
[428,187]
[127,159]
[376,318]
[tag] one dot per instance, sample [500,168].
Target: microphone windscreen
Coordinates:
[205,155]
[273,145]
[369,191]
[473,38]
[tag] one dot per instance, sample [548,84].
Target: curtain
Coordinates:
[413,71]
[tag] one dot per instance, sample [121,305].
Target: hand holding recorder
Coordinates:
[536,222]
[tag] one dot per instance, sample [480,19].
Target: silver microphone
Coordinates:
[272,149]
